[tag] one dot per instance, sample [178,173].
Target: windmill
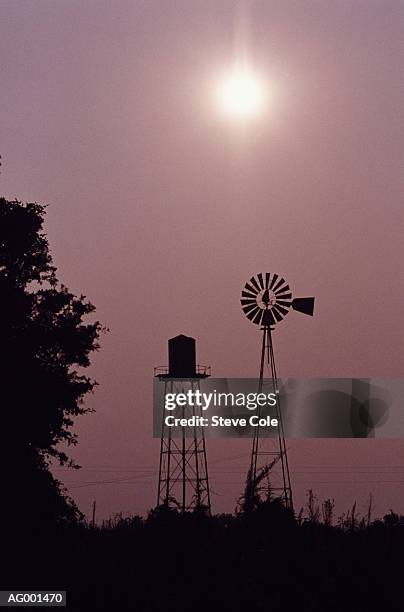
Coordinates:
[266,299]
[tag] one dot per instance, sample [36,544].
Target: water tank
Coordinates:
[182,357]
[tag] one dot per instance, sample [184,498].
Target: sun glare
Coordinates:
[241,94]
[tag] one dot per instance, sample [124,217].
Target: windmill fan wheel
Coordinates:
[267,298]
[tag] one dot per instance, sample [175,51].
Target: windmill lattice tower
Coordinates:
[266,299]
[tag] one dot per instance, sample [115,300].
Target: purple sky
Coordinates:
[160,210]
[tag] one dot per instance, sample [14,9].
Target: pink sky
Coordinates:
[160,210]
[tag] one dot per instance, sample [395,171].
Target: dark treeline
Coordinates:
[264,560]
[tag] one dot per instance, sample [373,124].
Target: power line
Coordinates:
[320,470]
[229,482]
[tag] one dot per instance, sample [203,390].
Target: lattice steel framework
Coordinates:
[183,470]
[266,300]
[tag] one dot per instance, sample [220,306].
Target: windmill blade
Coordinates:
[253,313]
[284,303]
[283,311]
[245,302]
[249,308]
[276,288]
[286,296]
[260,280]
[255,284]
[258,317]
[247,294]
[304,305]
[250,288]
[273,281]
[276,314]
[280,291]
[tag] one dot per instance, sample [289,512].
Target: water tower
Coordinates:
[183,470]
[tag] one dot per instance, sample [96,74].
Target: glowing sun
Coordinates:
[241,94]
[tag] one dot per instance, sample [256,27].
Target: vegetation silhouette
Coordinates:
[44,342]
[265,559]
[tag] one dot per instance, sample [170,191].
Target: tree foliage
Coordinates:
[45,343]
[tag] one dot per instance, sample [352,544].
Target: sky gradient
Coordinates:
[160,210]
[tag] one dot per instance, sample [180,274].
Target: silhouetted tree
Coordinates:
[43,342]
